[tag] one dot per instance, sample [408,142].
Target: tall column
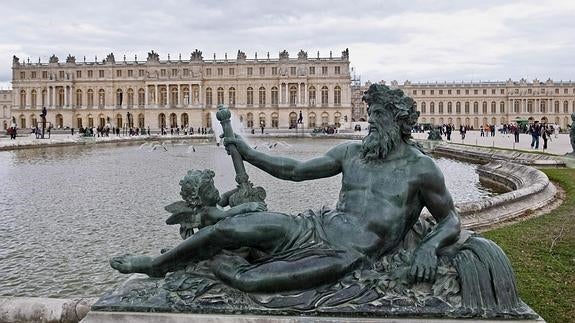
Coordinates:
[201,98]
[298,95]
[180,99]
[156,95]
[65,96]
[146,98]
[190,95]
[168,92]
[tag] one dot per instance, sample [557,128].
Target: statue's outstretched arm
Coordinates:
[292,169]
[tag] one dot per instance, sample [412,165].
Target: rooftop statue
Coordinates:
[373,254]
[154,57]
[53,59]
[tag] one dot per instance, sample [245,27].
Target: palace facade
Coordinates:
[175,92]
[5,107]
[478,103]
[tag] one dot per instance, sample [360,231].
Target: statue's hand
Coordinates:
[255,207]
[424,265]
[238,142]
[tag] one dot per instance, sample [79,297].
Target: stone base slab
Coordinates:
[131,317]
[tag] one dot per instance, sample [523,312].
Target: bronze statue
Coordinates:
[363,250]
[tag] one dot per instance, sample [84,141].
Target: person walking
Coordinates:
[535,131]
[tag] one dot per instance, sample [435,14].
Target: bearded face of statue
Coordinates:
[384,134]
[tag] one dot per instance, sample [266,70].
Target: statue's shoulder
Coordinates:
[345,149]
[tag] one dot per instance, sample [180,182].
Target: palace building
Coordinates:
[171,93]
[5,107]
[479,103]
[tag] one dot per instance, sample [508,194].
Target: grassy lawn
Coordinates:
[542,251]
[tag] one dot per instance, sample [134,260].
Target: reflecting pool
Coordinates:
[64,211]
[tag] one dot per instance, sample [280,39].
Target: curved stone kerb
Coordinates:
[531,190]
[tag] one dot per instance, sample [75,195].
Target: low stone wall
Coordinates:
[45,310]
[530,190]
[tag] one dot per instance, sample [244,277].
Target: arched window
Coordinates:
[466,107]
[60,102]
[501,107]
[23,101]
[493,107]
[566,107]
[275,120]
[293,119]
[292,95]
[220,96]
[324,97]
[208,97]
[90,98]
[262,96]
[311,120]
[449,108]
[543,107]
[130,98]
[556,106]
[79,123]
[44,94]
[311,95]
[232,96]
[432,108]
[174,98]
[102,122]
[324,119]
[101,98]
[516,106]
[530,106]
[262,119]
[90,121]
[33,121]
[186,94]
[185,120]
[250,96]
[141,123]
[423,108]
[476,107]
[119,97]
[458,107]
[119,121]
[161,120]
[59,121]
[484,107]
[440,108]
[173,120]
[250,120]
[337,119]
[141,97]
[79,98]
[33,99]
[163,96]
[275,96]
[337,95]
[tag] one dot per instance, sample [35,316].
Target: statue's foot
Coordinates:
[128,264]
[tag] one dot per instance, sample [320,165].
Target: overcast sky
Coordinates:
[388,40]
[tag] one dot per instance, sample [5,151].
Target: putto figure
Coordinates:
[386,182]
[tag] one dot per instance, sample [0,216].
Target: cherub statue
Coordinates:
[202,204]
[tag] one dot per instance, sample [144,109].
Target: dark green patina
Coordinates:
[372,255]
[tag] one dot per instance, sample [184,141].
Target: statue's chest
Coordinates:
[391,177]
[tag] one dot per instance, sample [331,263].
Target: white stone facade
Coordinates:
[183,92]
[5,107]
[475,104]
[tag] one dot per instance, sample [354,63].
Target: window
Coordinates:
[130,73]
[440,92]
[231,71]
[101,73]
[263,71]
[475,92]
[311,94]
[449,108]
[208,96]
[33,75]
[432,108]
[493,107]
[90,74]
[556,91]
[484,108]
[174,71]
[324,95]
[220,71]
[163,72]
[324,70]
[449,92]
[565,107]
[312,70]
[250,71]
[414,92]
[337,70]
[141,73]
[292,95]
[458,107]
[250,96]
[90,98]
[422,92]
[208,72]
[274,70]
[529,91]
[292,70]
[440,108]
[141,97]
[466,107]
[337,96]
[101,98]
[423,108]
[118,73]
[502,91]
[467,92]
[476,107]
[220,96]
[432,92]
[78,98]
[61,74]
[275,96]
[22,75]
[492,91]
[45,74]
[458,92]
[565,91]
[232,96]
[484,91]
[262,96]
[130,98]
[119,97]
[501,107]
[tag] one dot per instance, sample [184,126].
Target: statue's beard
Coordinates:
[380,141]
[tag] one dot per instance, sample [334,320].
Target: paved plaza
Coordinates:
[559,145]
